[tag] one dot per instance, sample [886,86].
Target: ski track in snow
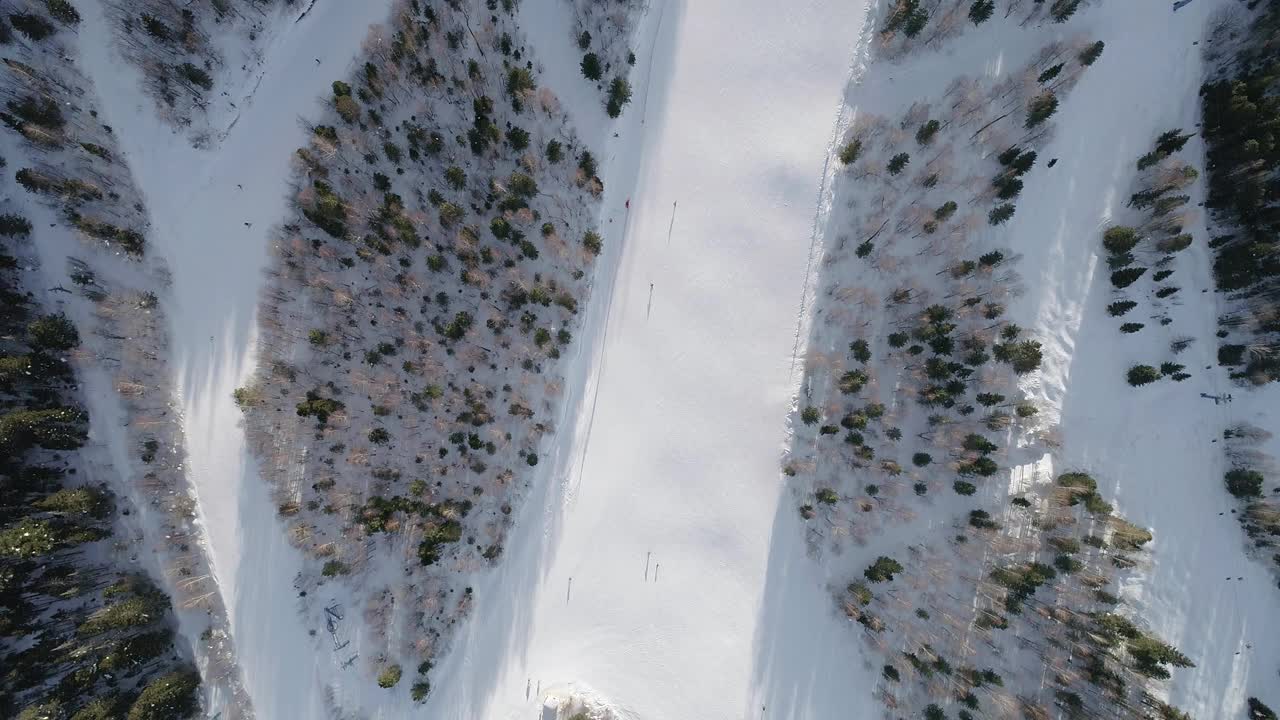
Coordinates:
[683,456]
[198,225]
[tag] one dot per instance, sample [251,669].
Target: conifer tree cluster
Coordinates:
[80,635]
[1241,117]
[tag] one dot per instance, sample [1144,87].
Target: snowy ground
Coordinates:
[659,567]
[674,464]
[213,235]
[1155,442]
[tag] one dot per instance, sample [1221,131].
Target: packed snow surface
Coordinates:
[659,566]
[639,575]
[1159,447]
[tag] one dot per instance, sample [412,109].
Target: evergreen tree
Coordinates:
[1090,54]
[1119,239]
[925,134]
[619,96]
[1258,710]
[1000,214]
[1041,108]
[1127,276]
[169,697]
[1244,482]
[1139,375]
[915,23]
[591,68]
[1024,356]
[883,569]
[33,27]
[1063,9]
[898,163]
[1171,141]
[1051,73]
[850,152]
[14,226]
[53,333]
[63,11]
[980,11]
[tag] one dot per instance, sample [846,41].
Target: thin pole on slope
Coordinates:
[673,222]
[646,565]
[649,309]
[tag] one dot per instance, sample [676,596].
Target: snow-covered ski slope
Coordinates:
[673,464]
[1152,449]
[212,212]
[660,563]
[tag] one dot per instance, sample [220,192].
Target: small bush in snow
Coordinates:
[1142,374]
[850,152]
[554,151]
[1244,483]
[1174,243]
[827,496]
[810,415]
[964,488]
[1119,239]
[921,459]
[389,677]
[1131,327]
